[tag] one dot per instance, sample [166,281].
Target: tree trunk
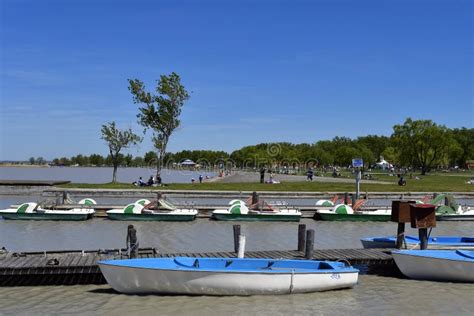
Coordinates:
[114,174]
[423,170]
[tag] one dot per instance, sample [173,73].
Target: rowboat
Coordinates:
[33,211]
[412,242]
[239,211]
[438,265]
[225,276]
[343,212]
[142,210]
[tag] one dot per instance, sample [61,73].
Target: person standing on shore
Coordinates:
[200,178]
[309,174]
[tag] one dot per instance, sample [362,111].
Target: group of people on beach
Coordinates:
[152,181]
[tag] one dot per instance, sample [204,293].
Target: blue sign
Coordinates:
[357,163]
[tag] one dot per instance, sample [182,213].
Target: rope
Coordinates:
[291,283]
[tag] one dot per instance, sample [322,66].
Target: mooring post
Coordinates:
[132,242]
[346,198]
[353,198]
[400,235]
[301,237]
[423,235]
[309,244]
[236,237]
[241,250]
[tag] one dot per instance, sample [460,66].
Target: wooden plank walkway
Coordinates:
[80,267]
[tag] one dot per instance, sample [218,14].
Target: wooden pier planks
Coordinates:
[76,267]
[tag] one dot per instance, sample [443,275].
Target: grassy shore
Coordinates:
[427,183]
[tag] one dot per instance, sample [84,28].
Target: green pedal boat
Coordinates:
[144,210]
[343,212]
[239,211]
[33,211]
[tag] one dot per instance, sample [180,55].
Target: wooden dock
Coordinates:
[80,267]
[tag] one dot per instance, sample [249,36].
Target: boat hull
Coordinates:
[352,217]
[151,217]
[46,216]
[455,217]
[150,281]
[256,217]
[368,243]
[432,268]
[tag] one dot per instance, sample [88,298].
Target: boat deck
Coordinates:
[80,267]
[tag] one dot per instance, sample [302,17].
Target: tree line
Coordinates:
[419,144]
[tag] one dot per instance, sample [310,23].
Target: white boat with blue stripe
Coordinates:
[437,265]
[413,242]
[225,276]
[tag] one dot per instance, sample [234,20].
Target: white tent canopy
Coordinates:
[188,162]
[384,164]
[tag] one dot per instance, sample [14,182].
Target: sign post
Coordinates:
[357,163]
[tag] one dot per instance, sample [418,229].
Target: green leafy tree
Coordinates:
[465,151]
[160,112]
[422,143]
[96,160]
[32,160]
[117,140]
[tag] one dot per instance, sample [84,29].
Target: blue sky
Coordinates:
[258,71]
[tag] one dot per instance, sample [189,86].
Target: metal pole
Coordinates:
[358,176]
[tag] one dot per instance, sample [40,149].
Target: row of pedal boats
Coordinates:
[243,276]
[237,210]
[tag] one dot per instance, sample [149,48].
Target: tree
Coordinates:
[422,143]
[160,112]
[32,160]
[117,140]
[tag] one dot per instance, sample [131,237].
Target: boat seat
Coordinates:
[184,262]
[465,253]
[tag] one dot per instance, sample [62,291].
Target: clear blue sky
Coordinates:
[259,71]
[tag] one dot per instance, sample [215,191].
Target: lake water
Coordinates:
[98,174]
[374,295]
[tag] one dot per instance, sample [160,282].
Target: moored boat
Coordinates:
[461,214]
[437,265]
[413,242]
[225,276]
[239,211]
[33,211]
[343,212]
[144,210]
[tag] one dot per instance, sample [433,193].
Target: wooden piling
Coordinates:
[346,198]
[353,198]
[236,237]
[423,235]
[400,235]
[301,237]
[309,244]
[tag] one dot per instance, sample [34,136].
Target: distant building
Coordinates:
[470,164]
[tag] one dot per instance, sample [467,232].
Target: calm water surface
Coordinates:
[97,174]
[374,295]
